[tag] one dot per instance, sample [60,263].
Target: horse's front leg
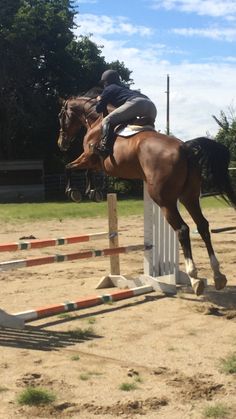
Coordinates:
[68,180]
[85,161]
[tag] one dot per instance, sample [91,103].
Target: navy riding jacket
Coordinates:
[116,95]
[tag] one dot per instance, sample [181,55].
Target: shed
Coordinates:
[22,181]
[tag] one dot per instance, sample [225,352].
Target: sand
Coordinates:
[167,351]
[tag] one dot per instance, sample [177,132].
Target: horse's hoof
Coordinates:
[198,286]
[220,282]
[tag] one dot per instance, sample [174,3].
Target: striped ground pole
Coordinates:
[38,244]
[43,260]
[82,303]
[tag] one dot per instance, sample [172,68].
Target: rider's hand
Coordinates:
[98,98]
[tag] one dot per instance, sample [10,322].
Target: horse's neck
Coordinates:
[92,136]
[90,113]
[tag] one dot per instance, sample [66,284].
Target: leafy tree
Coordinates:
[40,61]
[227,131]
[123,71]
[33,36]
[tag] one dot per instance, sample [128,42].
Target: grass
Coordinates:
[75,358]
[64,316]
[3,389]
[64,210]
[84,376]
[79,333]
[128,386]
[218,411]
[91,320]
[228,364]
[33,396]
[87,375]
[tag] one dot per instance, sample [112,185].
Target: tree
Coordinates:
[41,60]
[33,36]
[227,131]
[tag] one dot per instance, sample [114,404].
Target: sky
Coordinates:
[192,41]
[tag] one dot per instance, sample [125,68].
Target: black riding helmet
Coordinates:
[110,77]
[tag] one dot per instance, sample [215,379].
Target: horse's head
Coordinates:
[75,113]
[71,120]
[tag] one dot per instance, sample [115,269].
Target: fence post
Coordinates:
[113,232]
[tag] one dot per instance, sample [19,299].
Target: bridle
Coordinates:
[84,115]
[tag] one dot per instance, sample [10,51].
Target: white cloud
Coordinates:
[228,34]
[214,8]
[196,90]
[106,25]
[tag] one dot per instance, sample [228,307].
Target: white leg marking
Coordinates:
[190,267]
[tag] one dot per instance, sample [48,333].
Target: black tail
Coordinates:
[214,159]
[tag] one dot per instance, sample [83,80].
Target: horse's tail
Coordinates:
[213,159]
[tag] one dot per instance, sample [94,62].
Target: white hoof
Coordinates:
[198,286]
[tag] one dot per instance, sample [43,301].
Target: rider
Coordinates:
[128,104]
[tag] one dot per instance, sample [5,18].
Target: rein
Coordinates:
[82,110]
[88,112]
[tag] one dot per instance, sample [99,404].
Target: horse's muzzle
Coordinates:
[62,143]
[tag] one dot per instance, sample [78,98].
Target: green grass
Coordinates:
[3,389]
[213,202]
[218,411]
[128,386]
[79,333]
[75,358]
[88,375]
[64,210]
[91,320]
[228,364]
[64,316]
[33,396]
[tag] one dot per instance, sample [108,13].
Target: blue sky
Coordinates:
[194,41]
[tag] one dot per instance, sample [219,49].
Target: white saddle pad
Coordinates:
[130,130]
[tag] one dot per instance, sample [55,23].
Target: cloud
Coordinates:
[105,25]
[197,91]
[214,8]
[227,34]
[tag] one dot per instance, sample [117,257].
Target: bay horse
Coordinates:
[170,167]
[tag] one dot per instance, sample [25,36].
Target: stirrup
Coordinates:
[103,150]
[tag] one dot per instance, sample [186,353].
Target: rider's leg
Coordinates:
[105,146]
[129,110]
[122,114]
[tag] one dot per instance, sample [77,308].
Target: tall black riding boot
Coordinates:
[105,145]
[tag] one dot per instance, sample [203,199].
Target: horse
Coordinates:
[171,168]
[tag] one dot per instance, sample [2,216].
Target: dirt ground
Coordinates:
[166,350]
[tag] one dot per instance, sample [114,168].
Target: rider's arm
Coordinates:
[104,99]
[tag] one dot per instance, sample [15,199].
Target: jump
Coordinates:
[171,168]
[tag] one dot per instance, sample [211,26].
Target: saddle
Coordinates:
[134,126]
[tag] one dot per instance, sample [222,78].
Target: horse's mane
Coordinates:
[93,92]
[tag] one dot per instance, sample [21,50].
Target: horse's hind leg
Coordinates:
[194,209]
[174,218]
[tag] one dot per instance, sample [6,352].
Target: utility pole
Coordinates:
[168,106]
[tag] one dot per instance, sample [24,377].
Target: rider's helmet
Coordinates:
[110,77]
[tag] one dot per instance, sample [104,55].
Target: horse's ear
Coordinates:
[61,101]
